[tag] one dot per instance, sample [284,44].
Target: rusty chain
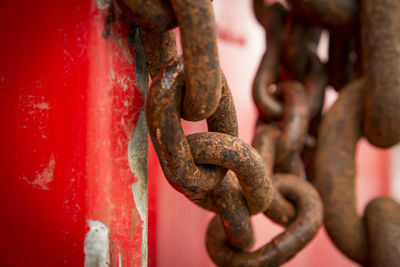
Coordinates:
[221,173]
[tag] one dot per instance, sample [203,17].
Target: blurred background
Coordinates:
[180,226]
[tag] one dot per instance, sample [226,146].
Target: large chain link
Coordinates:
[221,173]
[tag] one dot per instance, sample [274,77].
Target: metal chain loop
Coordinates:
[335,173]
[163,114]
[329,13]
[221,173]
[196,21]
[380,20]
[153,15]
[283,247]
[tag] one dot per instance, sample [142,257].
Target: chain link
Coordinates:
[221,173]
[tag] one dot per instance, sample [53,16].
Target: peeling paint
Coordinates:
[41,106]
[138,164]
[97,245]
[46,176]
[126,52]
[138,150]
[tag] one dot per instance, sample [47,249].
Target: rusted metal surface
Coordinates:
[154,15]
[159,48]
[288,90]
[335,172]
[380,20]
[233,212]
[301,62]
[232,153]
[283,247]
[337,13]
[341,66]
[202,73]
[267,73]
[265,142]
[295,121]
[162,109]
[298,60]
[382,220]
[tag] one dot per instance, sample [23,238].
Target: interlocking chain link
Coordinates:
[221,173]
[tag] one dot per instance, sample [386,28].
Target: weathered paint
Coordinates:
[97,245]
[138,162]
[45,176]
[69,107]
[117,150]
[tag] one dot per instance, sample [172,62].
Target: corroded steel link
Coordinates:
[154,15]
[159,48]
[199,37]
[267,104]
[224,120]
[300,41]
[380,20]
[315,84]
[335,171]
[202,73]
[283,247]
[162,111]
[301,62]
[295,120]
[339,65]
[232,153]
[265,141]
[382,220]
[221,173]
[329,13]
[233,212]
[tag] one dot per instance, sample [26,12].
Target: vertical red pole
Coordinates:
[73,140]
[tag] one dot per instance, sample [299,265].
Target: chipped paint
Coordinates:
[138,164]
[41,106]
[103,4]
[125,50]
[138,150]
[46,176]
[96,245]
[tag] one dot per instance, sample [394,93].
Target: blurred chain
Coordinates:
[366,107]
[221,173]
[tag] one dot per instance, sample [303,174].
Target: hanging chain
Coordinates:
[221,173]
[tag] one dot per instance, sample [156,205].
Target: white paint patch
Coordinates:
[137,153]
[103,4]
[97,245]
[41,106]
[46,176]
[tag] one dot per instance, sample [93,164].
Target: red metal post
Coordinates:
[73,139]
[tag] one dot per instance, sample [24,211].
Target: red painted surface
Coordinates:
[114,104]
[69,104]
